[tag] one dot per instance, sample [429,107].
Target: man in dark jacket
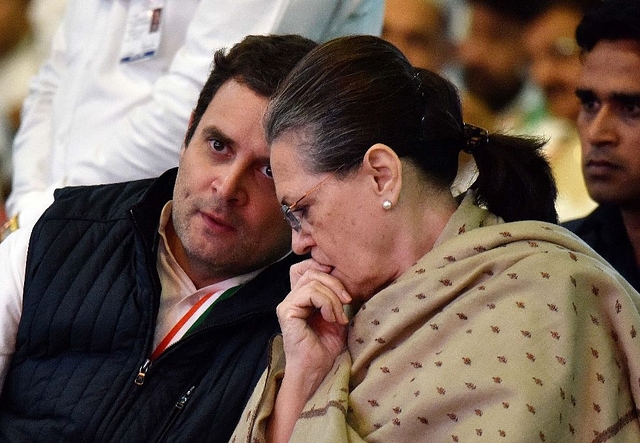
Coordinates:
[609,126]
[145,308]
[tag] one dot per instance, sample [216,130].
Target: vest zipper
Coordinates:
[144,369]
[179,406]
[142,372]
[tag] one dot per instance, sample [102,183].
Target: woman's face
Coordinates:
[342,221]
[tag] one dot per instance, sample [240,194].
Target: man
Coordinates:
[147,318]
[21,38]
[419,28]
[496,93]
[112,101]
[609,127]
[554,55]
[555,67]
[493,60]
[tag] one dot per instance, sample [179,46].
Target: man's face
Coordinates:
[609,122]
[226,218]
[555,61]
[492,57]
[417,28]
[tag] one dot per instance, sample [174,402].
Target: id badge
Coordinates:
[143,30]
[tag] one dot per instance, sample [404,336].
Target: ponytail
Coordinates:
[514,178]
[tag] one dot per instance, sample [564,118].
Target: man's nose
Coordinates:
[230,184]
[601,129]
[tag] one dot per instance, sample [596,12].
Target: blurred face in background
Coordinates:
[418,28]
[492,57]
[14,24]
[555,61]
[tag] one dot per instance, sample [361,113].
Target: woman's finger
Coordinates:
[298,270]
[313,271]
[310,297]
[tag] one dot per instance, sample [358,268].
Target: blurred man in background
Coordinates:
[420,29]
[25,39]
[555,68]
[493,60]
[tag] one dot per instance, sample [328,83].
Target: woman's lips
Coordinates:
[327,269]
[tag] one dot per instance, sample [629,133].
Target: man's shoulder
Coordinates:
[574,225]
[97,202]
[107,201]
[603,230]
[602,215]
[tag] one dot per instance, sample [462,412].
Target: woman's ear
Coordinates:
[385,169]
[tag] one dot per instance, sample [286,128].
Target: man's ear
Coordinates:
[385,168]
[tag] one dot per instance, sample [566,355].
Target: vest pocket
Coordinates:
[178,407]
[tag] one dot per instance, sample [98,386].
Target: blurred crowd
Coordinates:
[516,64]
[26,30]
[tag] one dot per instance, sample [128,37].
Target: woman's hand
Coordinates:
[314,332]
[313,321]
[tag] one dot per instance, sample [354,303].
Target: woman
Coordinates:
[472,318]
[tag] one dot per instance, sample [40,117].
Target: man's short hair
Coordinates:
[259,62]
[612,20]
[582,6]
[521,11]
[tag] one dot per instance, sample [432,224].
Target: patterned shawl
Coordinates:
[503,332]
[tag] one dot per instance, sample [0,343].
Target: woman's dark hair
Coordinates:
[353,92]
[260,62]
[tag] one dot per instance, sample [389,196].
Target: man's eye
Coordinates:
[632,109]
[266,170]
[589,105]
[216,145]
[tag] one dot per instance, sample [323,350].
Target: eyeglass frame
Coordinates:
[288,210]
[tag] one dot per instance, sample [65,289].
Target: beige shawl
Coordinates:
[511,332]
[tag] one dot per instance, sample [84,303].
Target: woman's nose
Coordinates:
[301,242]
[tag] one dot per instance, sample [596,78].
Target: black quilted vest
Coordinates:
[90,303]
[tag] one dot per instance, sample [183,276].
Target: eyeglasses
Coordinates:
[288,211]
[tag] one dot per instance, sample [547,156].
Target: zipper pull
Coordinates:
[142,372]
[185,398]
